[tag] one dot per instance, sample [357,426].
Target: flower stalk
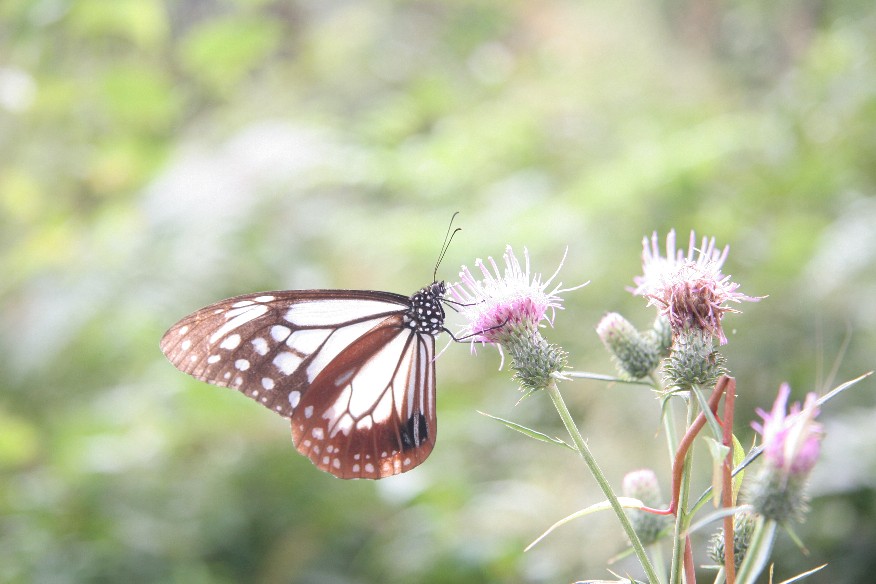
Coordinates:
[578,440]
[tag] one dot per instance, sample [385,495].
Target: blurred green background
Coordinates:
[158,156]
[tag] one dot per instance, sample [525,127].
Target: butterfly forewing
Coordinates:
[349,369]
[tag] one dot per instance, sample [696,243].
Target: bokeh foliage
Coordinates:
[157,156]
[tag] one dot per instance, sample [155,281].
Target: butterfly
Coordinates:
[353,370]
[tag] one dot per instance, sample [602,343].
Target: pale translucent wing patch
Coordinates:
[248,343]
[371,412]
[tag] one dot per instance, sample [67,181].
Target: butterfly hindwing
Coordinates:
[383,430]
[344,365]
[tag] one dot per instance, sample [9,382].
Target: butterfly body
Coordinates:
[353,370]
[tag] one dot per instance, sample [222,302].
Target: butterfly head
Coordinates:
[426,315]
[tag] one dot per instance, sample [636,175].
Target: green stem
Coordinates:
[682,518]
[668,417]
[585,453]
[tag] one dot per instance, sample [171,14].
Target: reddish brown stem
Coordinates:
[727,480]
[690,573]
[685,444]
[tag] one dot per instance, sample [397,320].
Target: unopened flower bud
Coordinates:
[642,485]
[743,528]
[535,361]
[661,332]
[693,361]
[635,355]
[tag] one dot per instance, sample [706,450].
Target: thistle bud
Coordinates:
[535,361]
[635,355]
[693,360]
[661,334]
[642,485]
[743,528]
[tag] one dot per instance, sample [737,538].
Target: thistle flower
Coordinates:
[509,303]
[690,290]
[506,308]
[791,442]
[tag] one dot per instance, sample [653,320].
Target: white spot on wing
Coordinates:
[266,298]
[308,340]
[318,433]
[287,362]
[230,342]
[241,364]
[242,303]
[240,318]
[280,333]
[294,398]
[183,330]
[369,468]
[344,378]
[260,346]
[213,359]
[186,345]
[267,383]
[308,412]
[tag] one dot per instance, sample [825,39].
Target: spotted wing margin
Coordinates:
[370,413]
[271,346]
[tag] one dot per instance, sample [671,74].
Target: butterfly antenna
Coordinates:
[448,237]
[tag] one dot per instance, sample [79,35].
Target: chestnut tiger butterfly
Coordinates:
[353,370]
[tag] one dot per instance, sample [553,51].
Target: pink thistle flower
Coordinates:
[791,441]
[690,290]
[502,305]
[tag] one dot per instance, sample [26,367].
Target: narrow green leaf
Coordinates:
[530,432]
[707,411]
[803,575]
[738,457]
[610,378]
[719,455]
[716,516]
[625,502]
[841,388]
